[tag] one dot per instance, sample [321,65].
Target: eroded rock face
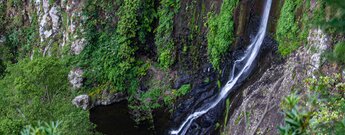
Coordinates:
[82,101]
[259,112]
[59,22]
[75,78]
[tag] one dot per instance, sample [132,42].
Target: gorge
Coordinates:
[213,67]
[244,65]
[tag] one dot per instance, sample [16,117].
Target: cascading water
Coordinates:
[246,62]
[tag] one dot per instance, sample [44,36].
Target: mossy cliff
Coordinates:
[154,56]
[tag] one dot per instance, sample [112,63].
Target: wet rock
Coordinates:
[75,78]
[181,80]
[82,101]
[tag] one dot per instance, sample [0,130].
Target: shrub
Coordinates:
[183,90]
[336,20]
[38,90]
[296,120]
[164,38]
[221,32]
[290,30]
[319,111]
[42,129]
[109,58]
[339,52]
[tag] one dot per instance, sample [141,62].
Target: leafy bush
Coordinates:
[163,39]
[291,30]
[320,111]
[338,54]
[296,121]
[42,129]
[221,32]
[109,58]
[336,21]
[147,15]
[38,90]
[20,37]
[183,90]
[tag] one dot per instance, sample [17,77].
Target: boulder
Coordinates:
[82,101]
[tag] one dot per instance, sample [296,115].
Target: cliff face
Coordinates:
[166,44]
[53,25]
[258,109]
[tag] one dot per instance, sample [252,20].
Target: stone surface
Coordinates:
[78,46]
[75,78]
[104,98]
[107,98]
[258,111]
[82,101]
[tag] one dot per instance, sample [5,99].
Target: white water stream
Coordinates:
[247,60]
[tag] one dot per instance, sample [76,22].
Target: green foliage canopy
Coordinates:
[36,90]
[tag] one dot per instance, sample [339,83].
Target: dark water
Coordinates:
[115,120]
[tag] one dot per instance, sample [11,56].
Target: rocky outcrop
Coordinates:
[107,98]
[82,101]
[75,78]
[59,23]
[104,98]
[259,112]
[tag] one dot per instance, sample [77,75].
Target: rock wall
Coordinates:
[59,23]
[258,112]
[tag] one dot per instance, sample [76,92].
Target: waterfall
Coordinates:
[247,60]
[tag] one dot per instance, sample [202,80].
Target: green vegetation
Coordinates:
[337,15]
[321,111]
[38,90]
[109,58]
[20,38]
[338,54]
[221,32]
[320,108]
[42,129]
[146,17]
[292,27]
[296,120]
[164,32]
[183,90]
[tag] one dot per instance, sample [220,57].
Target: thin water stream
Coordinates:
[240,70]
